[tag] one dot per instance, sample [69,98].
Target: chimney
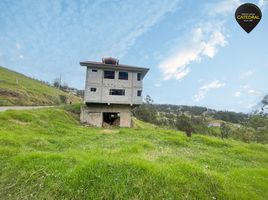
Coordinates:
[110,61]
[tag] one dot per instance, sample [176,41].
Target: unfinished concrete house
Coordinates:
[111,90]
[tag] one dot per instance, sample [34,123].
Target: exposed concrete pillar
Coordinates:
[89,117]
[125,119]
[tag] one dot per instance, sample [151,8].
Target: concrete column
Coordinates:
[125,119]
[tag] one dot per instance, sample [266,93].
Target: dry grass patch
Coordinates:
[109,131]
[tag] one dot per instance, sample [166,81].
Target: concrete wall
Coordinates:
[103,86]
[93,114]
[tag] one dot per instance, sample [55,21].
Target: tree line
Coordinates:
[194,119]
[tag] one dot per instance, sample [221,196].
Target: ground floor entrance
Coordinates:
[103,115]
[111,119]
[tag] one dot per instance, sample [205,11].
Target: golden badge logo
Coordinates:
[248,15]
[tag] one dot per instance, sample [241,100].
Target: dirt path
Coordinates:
[4,108]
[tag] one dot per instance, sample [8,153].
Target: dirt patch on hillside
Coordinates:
[19,122]
[109,131]
[8,93]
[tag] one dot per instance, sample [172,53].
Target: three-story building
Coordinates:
[110,92]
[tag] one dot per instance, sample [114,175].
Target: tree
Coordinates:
[146,111]
[225,130]
[57,82]
[149,100]
[63,99]
[183,123]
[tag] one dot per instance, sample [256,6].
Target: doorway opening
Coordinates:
[111,119]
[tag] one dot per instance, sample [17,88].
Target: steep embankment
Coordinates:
[17,89]
[47,154]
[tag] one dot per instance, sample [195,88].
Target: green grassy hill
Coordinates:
[17,89]
[47,154]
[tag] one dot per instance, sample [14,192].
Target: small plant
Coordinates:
[63,99]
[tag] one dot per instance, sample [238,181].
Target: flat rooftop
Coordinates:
[101,65]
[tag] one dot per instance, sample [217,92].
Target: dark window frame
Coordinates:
[138,76]
[139,93]
[93,89]
[123,75]
[117,92]
[94,70]
[106,74]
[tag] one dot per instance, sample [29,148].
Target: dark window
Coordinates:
[139,93]
[109,74]
[118,92]
[123,75]
[93,89]
[94,70]
[138,76]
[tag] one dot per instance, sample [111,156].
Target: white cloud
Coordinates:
[223,7]
[251,91]
[262,4]
[213,85]
[216,84]
[21,56]
[237,94]
[140,29]
[248,89]
[207,38]
[247,74]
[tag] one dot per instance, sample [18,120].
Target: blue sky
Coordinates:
[196,52]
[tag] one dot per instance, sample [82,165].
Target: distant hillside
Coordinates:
[18,89]
[228,116]
[201,120]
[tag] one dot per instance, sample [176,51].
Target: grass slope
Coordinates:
[47,154]
[17,89]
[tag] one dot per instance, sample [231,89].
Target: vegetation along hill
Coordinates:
[18,89]
[202,120]
[48,154]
